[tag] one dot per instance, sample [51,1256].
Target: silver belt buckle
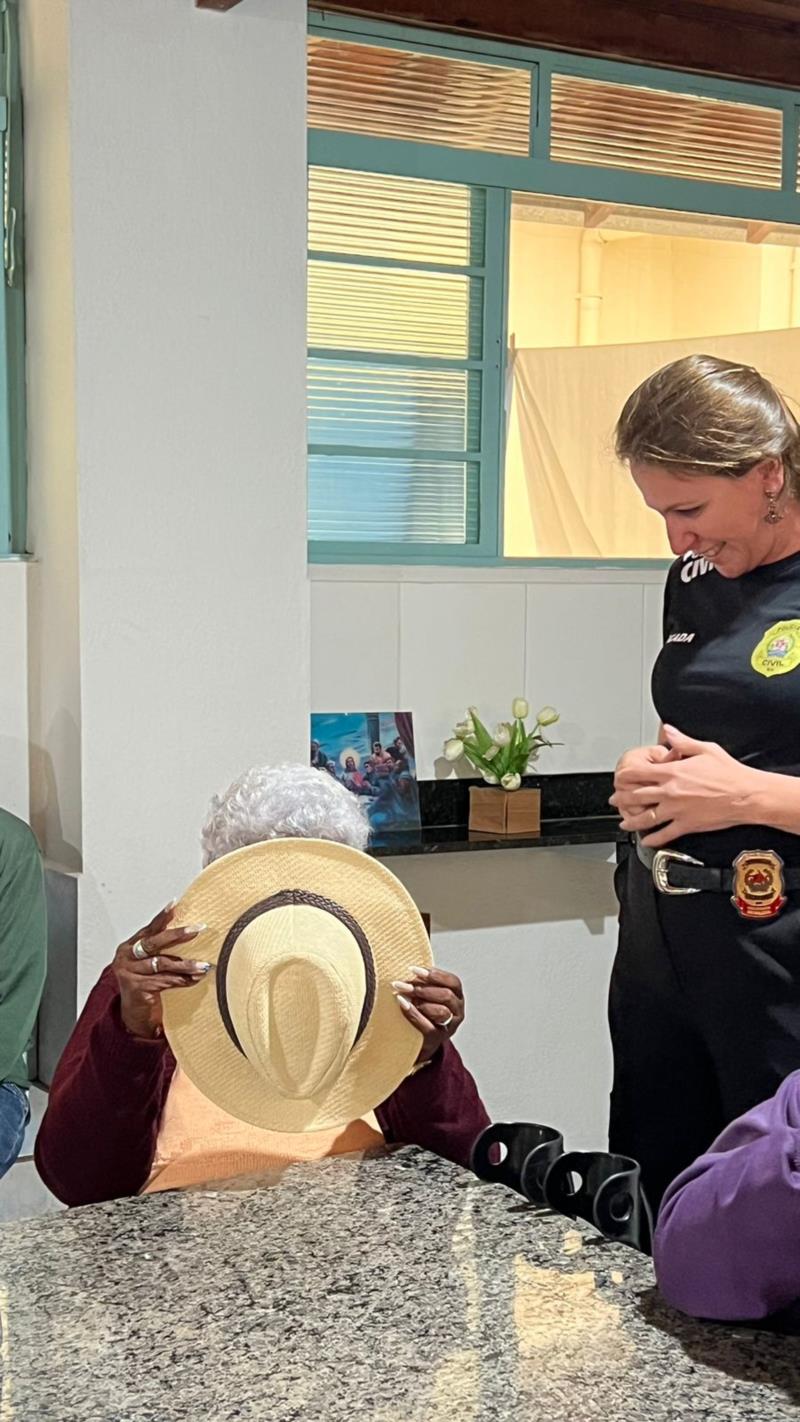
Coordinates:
[660,870]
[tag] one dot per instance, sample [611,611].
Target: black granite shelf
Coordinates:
[564,797]
[455,839]
[575,810]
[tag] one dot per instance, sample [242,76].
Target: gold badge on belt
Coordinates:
[758,887]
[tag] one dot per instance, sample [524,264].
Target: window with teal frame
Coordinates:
[399,374]
[13,492]
[419,142]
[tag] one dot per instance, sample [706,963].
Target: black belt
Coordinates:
[757,879]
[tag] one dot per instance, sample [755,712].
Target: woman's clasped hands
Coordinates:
[684,787]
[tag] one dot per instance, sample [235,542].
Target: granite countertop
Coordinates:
[575,810]
[450,839]
[397,1288]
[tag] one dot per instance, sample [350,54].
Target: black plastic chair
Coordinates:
[603,1189]
[524,1154]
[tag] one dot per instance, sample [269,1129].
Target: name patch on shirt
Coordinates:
[681,637]
[779,649]
[694,567]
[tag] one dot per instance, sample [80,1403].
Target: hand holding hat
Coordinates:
[433,1001]
[146,966]
[297,1027]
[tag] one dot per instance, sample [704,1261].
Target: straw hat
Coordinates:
[297,1028]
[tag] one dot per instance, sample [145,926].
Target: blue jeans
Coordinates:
[15,1113]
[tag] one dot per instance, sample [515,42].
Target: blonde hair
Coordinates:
[709,416]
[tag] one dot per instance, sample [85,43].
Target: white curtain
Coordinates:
[565,494]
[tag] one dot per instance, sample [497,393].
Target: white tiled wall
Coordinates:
[530,932]
[355,661]
[584,656]
[460,644]
[430,642]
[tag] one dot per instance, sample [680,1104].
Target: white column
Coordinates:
[187,197]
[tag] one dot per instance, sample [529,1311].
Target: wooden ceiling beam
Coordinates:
[759,231]
[758,40]
[595,213]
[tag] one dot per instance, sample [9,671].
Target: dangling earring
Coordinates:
[773,514]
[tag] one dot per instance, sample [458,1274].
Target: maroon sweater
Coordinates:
[99,1133]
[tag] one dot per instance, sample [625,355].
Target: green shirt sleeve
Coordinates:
[23,944]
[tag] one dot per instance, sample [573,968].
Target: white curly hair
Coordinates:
[282,802]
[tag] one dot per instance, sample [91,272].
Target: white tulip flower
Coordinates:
[490,779]
[464,728]
[547,716]
[491,752]
[502,734]
[453,749]
[520,708]
[511,782]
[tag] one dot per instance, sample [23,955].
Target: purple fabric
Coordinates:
[727,1243]
[99,1133]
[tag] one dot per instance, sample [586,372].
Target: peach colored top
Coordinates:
[198,1143]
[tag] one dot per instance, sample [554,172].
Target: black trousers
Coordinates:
[704,1011]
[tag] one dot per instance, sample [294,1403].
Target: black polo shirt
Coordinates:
[729,671]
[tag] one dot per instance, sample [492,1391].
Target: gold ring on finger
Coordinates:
[139,951]
[154,962]
[654,817]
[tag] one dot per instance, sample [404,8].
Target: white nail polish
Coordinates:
[403,987]
[420,972]
[404,1002]
[169,906]
[195,927]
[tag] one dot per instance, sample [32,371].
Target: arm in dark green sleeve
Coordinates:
[23,942]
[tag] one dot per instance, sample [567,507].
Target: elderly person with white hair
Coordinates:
[124,1119]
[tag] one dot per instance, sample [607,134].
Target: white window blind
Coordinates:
[396,292]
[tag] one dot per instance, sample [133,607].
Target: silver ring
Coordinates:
[154,962]
[139,951]
[447,1021]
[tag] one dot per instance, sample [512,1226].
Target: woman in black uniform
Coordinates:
[705,991]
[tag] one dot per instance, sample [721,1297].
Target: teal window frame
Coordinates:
[13,474]
[502,176]
[489,365]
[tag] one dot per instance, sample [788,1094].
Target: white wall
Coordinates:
[651,287]
[166,234]
[53,628]
[544,283]
[531,933]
